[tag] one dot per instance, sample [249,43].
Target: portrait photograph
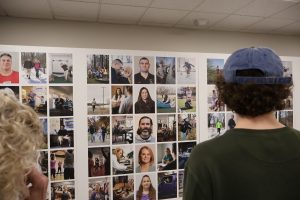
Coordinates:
[144,70]
[145,158]
[121,69]
[99,161]
[166,99]
[144,128]
[99,188]
[61,100]
[216,124]
[61,164]
[146,186]
[186,99]
[121,99]
[34,68]
[36,98]
[122,159]
[123,187]
[184,152]
[98,99]
[59,188]
[166,128]
[167,185]
[122,129]
[9,67]
[166,156]
[97,69]
[213,102]
[186,70]
[61,132]
[98,130]
[187,129]
[144,99]
[214,69]
[165,70]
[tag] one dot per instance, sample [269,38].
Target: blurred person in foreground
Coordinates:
[20,137]
[260,157]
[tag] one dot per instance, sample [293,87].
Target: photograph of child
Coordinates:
[61,132]
[216,124]
[187,127]
[60,68]
[166,99]
[9,67]
[214,69]
[99,161]
[34,69]
[122,129]
[36,98]
[98,130]
[166,128]
[61,100]
[98,99]
[97,69]
[165,70]
[214,104]
[186,99]
[186,70]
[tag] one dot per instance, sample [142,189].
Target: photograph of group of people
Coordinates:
[36,98]
[63,190]
[100,189]
[61,132]
[61,165]
[97,69]
[61,100]
[98,130]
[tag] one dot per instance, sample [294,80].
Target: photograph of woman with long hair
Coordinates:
[145,160]
[144,104]
[146,190]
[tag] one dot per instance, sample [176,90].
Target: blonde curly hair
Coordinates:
[20,136]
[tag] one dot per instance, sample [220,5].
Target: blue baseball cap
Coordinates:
[262,59]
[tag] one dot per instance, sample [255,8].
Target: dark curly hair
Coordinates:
[252,99]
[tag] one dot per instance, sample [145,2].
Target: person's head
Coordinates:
[5,62]
[119,153]
[129,90]
[146,182]
[20,137]
[144,65]
[118,91]
[146,156]
[145,127]
[65,188]
[166,97]
[62,127]
[117,64]
[97,187]
[253,83]
[127,72]
[144,95]
[168,151]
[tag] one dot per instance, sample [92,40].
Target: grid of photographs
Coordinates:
[44,82]
[141,124]
[220,117]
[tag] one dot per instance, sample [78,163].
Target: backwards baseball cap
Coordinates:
[264,60]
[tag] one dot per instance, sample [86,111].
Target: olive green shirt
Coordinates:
[245,164]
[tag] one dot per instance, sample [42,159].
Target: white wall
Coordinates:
[19,31]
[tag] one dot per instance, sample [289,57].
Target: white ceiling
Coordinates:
[258,16]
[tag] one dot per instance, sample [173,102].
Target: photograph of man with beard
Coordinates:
[144,131]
